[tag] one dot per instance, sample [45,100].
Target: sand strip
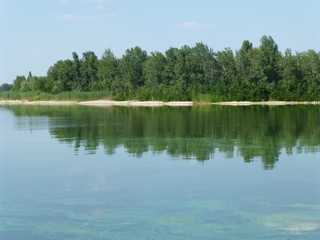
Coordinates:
[105,103]
[23,102]
[269,103]
[135,103]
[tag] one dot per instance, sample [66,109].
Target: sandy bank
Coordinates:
[134,103]
[106,103]
[269,103]
[22,102]
[98,103]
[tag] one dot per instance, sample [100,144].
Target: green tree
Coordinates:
[244,61]
[290,85]
[131,69]
[75,72]
[228,74]
[247,73]
[29,75]
[60,75]
[202,67]
[310,66]
[171,58]
[89,72]
[17,82]
[268,63]
[181,68]
[6,87]
[154,71]
[269,60]
[187,73]
[108,70]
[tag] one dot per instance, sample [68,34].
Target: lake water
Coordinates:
[121,173]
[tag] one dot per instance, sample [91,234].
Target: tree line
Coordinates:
[187,73]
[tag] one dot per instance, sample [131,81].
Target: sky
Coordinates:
[34,34]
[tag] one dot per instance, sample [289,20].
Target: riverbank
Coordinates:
[101,103]
[269,103]
[106,103]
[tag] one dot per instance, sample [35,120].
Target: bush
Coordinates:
[69,96]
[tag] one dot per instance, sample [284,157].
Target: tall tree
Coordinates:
[244,61]
[76,72]
[108,70]
[89,72]
[17,82]
[203,68]
[181,68]
[255,74]
[131,67]
[310,66]
[269,60]
[228,73]
[154,71]
[291,85]
[60,75]
[171,58]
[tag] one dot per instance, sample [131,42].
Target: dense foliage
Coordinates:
[189,73]
[6,87]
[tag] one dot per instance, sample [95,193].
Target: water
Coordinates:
[159,173]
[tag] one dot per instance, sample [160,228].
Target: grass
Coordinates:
[88,96]
[97,95]
[206,98]
[63,96]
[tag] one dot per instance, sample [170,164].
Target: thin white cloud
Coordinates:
[95,1]
[84,17]
[98,16]
[190,25]
[104,16]
[69,16]
[63,1]
[97,7]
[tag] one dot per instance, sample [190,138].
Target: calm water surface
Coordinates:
[159,173]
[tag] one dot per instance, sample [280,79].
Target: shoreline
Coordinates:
[134,103]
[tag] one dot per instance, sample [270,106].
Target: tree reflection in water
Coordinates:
[189,132]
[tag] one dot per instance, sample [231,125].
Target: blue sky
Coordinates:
[37,33]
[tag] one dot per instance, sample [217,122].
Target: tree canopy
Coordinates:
[188,73]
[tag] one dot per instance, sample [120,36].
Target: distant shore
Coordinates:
[106,103]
